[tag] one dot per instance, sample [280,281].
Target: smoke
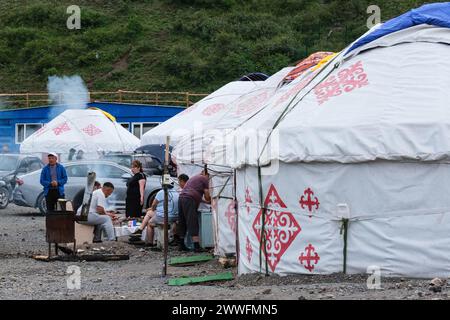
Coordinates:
[69,91]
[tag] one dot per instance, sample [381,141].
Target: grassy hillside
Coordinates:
[195,45]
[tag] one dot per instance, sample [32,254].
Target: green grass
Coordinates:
[177,45]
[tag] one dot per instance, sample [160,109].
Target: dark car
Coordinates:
[157,151]
[12,165]
[151,157]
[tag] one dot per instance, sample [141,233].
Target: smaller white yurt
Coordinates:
[90,131]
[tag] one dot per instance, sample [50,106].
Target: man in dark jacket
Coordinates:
[53,179]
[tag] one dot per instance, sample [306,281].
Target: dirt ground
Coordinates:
[22,235]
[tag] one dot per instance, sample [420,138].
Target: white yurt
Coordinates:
[91,131]
[350,171]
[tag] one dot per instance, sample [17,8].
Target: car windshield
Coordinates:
[123,160]
[8,163]
[147,162]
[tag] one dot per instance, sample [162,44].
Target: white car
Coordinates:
[29,192]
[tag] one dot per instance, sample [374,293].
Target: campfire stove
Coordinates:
[60,227]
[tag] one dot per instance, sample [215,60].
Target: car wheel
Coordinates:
[42,205]
[151,198]
[4,198]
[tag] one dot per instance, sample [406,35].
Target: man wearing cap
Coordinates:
[53,179]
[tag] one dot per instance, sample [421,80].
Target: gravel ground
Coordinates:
[22,235]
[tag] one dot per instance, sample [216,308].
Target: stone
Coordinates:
[436,284]
[267,291]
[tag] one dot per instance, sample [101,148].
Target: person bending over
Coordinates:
[190,198]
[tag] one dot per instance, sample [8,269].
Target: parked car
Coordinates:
[12,165]
[158,153]
[150,165]
[151,156]
[29,192]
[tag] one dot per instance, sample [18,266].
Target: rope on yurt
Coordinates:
[262,241]
[237,218]
[291,106]
[344,229]
[223,187]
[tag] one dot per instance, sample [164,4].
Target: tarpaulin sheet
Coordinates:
[436,14]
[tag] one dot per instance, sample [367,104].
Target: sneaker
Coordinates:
[137,232]
[197,248]
[97,241]
[182,247]
[134,239]
[173,243]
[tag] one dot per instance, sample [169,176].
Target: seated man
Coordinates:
[155,214]
[98,216]
[78,199]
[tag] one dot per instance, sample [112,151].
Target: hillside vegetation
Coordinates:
[179,45]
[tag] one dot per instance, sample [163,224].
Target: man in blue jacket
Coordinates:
[53,179]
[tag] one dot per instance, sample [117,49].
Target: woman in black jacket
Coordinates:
[135,191]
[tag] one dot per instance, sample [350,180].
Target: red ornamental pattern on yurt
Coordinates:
[308,201]
[231,215]
[213,109]
[92,130]
[249,250]
[346,81]
[248,199]
[60,129]
[252,104]
[280,227]
[309,258]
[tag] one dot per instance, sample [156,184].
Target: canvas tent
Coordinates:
[350,171]
[88,130]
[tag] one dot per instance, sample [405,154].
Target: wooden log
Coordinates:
[84,257]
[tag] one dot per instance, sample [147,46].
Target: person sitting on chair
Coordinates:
[78,199]
[99,216]
[155,214]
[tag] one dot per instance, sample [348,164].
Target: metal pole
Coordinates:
[166,205]
[236,210]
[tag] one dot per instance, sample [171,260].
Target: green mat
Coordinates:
[181,261]
[192,280]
